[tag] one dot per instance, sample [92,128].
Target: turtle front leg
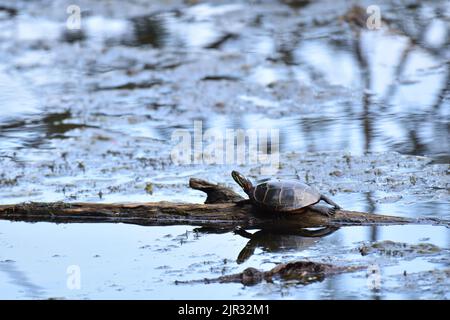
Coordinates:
[323,210]
[330,202]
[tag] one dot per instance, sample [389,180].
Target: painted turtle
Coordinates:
[280,196]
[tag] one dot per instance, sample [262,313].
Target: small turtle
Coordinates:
[280,196]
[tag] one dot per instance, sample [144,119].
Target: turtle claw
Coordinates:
[332,211]
[324,210]
[327,212]
[330,202]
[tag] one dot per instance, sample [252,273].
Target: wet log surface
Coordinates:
[223,208]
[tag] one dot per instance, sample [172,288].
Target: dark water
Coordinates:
[89,116]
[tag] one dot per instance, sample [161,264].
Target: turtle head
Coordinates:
[242,181]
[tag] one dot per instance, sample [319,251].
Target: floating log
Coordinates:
[304,272]
[223,208]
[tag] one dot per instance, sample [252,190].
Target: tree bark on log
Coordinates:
[223,209]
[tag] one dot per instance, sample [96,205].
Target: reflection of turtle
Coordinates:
[279,240]
[284,195]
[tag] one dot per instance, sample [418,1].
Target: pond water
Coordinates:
[132,262]
[363,115]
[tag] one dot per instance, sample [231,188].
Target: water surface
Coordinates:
[88,116]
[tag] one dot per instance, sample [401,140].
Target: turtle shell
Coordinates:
[284,195]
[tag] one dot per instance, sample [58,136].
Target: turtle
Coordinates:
[283,196]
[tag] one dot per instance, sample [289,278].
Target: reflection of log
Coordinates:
[225,211]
